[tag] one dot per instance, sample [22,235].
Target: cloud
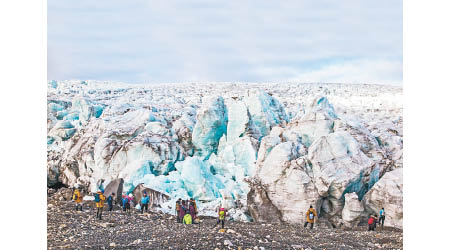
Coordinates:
[360,71]
[171,41]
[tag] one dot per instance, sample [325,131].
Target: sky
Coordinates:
[139,41]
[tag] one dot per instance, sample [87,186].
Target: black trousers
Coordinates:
[144,206]
[372,226]
[78,205]
[306,224]
[381,220]
[110,206]
[223,222]
[99,213]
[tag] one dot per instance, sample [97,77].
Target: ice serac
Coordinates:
[85,109]
[264,112]
[211,125]
[63,130]
[260,206]
[238,120]
[353,210]
[198,181]
[317,122]
[183,128]
[235,160]
[176,140]
[387,193]
[287,180]
[146,153]
[338,165]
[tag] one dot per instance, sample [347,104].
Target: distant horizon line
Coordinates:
[230,82]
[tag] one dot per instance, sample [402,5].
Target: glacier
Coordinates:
[248,147]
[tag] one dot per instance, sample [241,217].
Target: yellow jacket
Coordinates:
[312,210]
[77,196]
[102,200]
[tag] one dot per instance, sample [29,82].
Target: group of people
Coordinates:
[374,220]
[127,202]
[99,199]
[186,211]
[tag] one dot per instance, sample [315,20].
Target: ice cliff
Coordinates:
[265,151]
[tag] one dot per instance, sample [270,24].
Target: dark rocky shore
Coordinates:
[67,228]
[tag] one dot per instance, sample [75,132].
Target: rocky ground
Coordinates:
[67,228]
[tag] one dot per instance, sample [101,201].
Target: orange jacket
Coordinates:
[311,210]
[102,200]
[77,197]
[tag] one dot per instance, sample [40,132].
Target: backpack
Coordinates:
[187,219]
[371,221]
[311,215]
[222,215]
[75,196]
[97,197]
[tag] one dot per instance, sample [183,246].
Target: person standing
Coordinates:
[110,201]
[78,198]
[183,209]
[177,209]
[382,217]
[130,202]
[193,211]
[144,203]
[310,216]
[124,202]
[222,214]
[99,203]
[372,222]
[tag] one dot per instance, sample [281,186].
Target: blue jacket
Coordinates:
[145,200]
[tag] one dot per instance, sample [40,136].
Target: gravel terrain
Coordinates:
[67,228]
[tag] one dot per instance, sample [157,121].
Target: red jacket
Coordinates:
[371,220]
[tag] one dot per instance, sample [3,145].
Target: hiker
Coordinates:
[110,201]
[187,219]
[183,210]
[99,203]
[144,203]
[78,198]
[372,222]
[382,217]
[222,214]
[192,208]
[130,202]
[124,202]
[177,209]
[310,216]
